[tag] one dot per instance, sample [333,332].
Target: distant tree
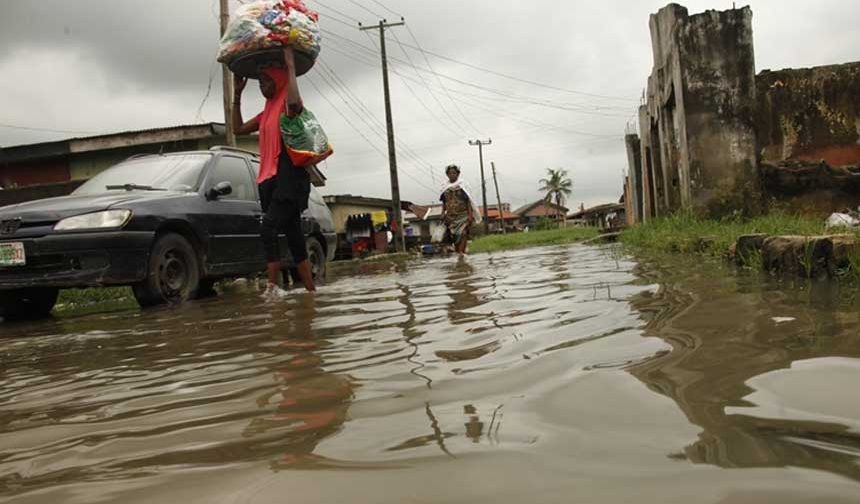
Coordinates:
[557,187]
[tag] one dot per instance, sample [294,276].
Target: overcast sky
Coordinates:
[80,67]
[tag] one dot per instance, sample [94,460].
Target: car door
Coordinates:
[233,220]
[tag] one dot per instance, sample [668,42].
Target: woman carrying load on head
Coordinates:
[459,209]
[284,188]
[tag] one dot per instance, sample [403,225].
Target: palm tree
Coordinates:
[557,186]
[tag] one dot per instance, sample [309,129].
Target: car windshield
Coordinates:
[174,172]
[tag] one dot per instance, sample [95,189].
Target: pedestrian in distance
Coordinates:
[459,209]
[284,188]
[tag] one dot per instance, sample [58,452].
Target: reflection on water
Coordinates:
[725,331]
[534,375]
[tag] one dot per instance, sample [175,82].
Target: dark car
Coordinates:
[168,225]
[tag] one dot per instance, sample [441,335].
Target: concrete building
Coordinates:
[718,139]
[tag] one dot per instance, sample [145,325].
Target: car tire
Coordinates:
[317,257]
[27,304]
[173,273]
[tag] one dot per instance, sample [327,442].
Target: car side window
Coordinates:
[234,170]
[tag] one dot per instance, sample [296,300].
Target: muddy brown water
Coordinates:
[564,374]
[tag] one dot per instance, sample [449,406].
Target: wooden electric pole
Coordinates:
[481,144]
[498,198]
[389,121]
[227,78]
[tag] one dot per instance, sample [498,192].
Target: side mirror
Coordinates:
[218,190]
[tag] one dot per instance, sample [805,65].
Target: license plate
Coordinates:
[12,254]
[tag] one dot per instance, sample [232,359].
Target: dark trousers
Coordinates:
[281,215]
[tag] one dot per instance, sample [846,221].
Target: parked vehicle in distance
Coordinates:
[168,225]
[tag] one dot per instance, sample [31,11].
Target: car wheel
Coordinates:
[28,304]
[173,274]
[316,255]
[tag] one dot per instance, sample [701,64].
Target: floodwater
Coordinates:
[564,374]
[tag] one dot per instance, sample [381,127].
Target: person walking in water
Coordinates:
[284,188]
[459,210]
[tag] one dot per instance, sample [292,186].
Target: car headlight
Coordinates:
[97,220]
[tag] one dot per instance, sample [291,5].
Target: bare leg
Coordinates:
[307,277]
[462,244]
[273,271]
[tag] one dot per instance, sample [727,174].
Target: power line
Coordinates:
[49,130]
[427,60]
[560,106]
[499,93]
[361,133]
[386,8]
[518,79]
[362,6]
[364,113]
[368,116]
[347,16]
[199,116]
[432,94]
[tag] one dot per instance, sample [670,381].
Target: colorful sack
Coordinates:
[306,142]
[267,24]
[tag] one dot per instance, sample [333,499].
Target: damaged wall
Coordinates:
[697,132]
[717,139]
[808,129]
[810,114]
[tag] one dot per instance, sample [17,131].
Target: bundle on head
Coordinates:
[257,28]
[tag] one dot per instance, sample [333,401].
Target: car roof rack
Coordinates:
[233,149]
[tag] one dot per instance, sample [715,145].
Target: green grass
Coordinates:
[686,233]
[83,301]
[513,241]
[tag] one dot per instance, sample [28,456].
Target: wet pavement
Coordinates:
[562,374]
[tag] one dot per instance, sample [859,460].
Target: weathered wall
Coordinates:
[810,114]
[633,195]
[808,125]
[718,72]
[697,130]
[718,139]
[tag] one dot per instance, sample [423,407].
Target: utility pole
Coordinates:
[227,79]
[498,198]
[481,144]
[389,121]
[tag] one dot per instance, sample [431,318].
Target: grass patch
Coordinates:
[686,233]
[84,301]
[513,241]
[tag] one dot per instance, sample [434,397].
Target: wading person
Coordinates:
[459,210]
[284,187]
